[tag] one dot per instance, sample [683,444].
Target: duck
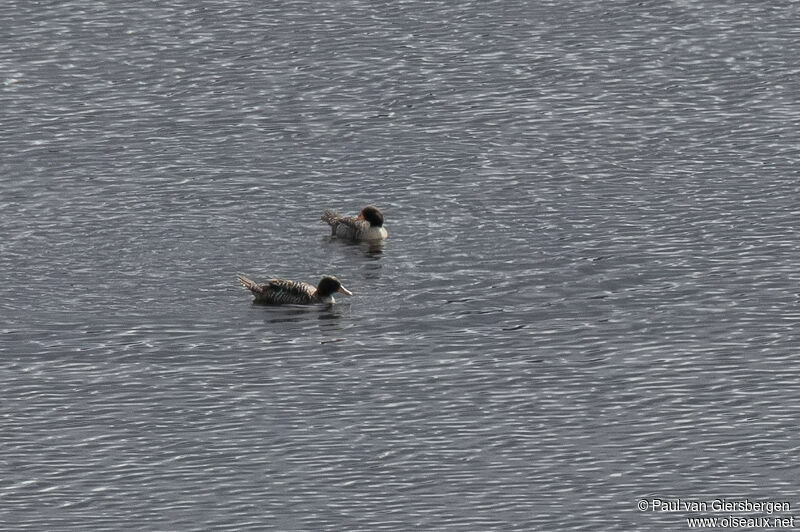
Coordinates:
[366,227]
[286,292]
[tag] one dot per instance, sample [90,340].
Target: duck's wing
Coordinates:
[295,289]
[350,227]
[286,292]
[279,291]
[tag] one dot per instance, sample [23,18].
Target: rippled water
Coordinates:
[589,296]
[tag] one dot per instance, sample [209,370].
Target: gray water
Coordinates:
[589,297]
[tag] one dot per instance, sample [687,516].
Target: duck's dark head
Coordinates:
[372,215]
[330,284]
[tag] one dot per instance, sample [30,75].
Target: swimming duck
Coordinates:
[285,292]
[368,225]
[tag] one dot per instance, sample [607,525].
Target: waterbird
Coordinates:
[367,226]
[286,292]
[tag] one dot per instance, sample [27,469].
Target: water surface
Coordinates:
[589,296]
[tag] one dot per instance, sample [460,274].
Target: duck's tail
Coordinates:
[330,218]
[249,284]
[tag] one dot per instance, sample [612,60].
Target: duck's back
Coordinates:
[351,228]
[285,292]
[280,291]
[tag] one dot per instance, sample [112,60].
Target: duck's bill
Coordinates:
[345,291]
